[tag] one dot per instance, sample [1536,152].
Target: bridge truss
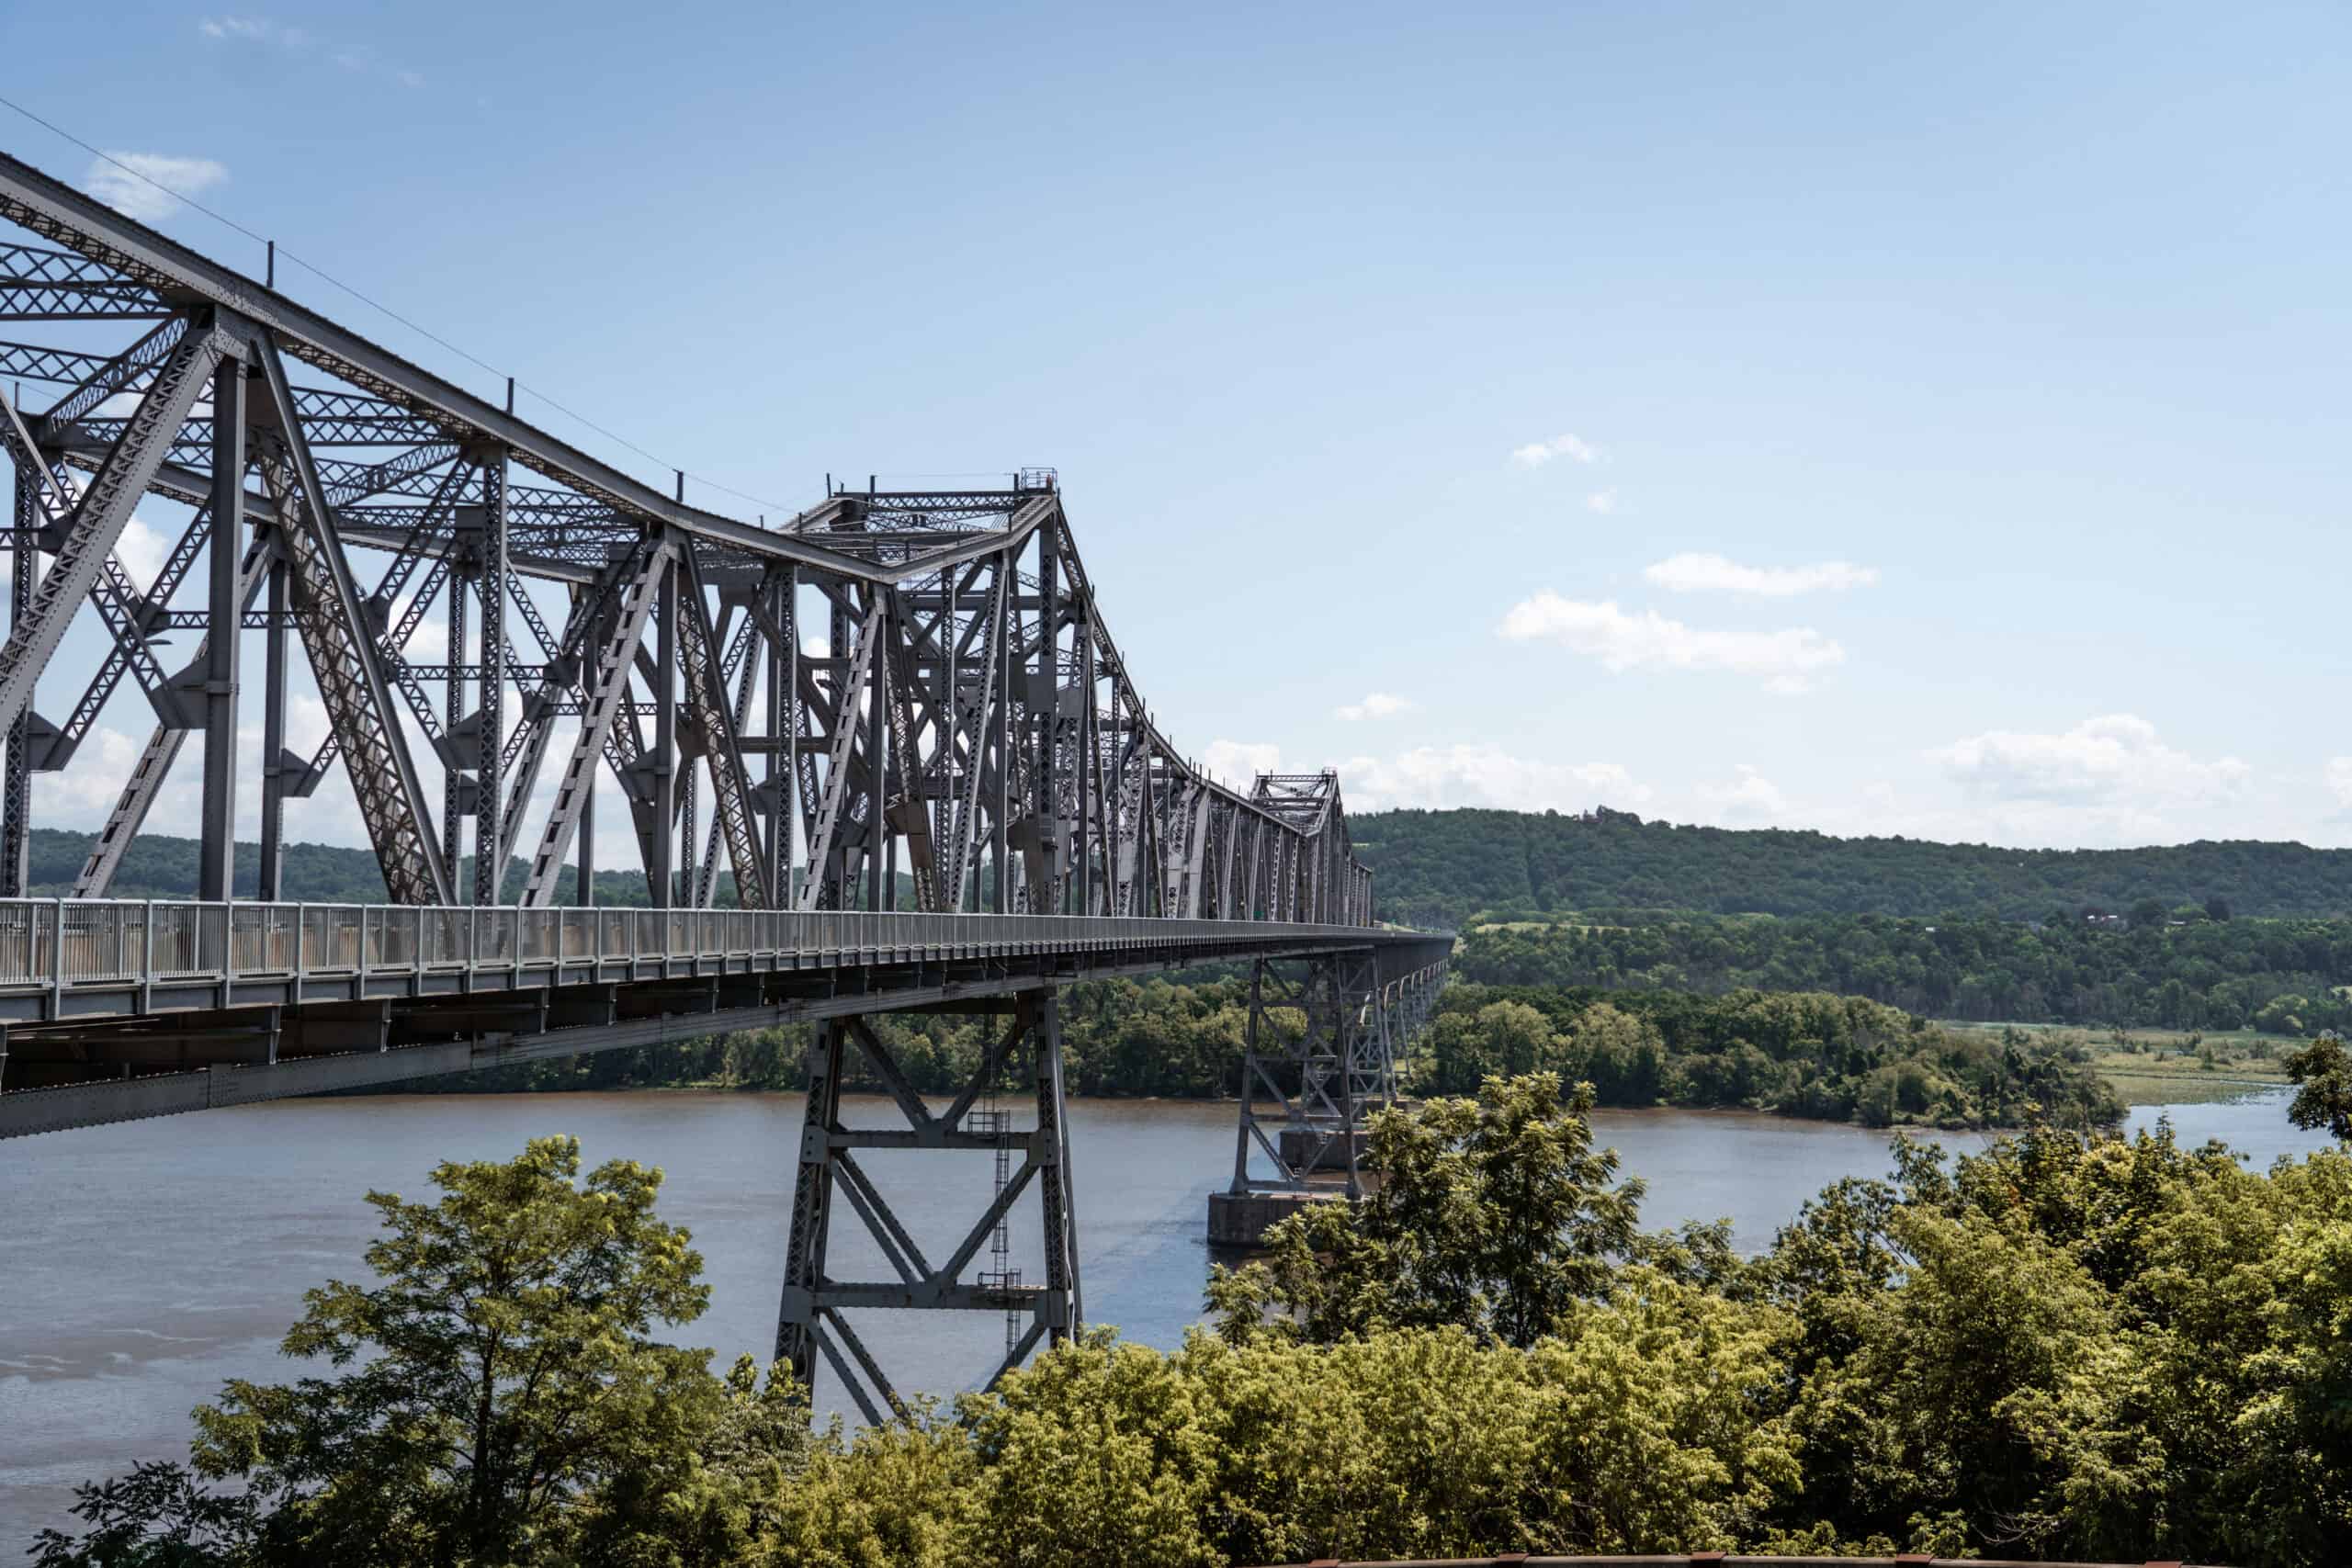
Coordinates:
[903,703]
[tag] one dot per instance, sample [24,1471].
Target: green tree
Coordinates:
[2323,1072]
[498,1397]
[1494,1214]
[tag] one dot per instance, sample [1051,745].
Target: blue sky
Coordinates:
[1887,419]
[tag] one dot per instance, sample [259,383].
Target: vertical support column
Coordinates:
[812,1201]
[224,612]
[273,736]
[16,790]
[661,885]
[453,711]
[584,895]
[878,750]
[1004,637]
[490,831]
[1046,718]
[1090,751]
[780,788]
[1247,1129]
[1061,1310]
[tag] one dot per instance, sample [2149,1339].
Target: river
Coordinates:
[142,1264]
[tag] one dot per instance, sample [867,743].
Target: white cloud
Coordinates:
[1483,774]
[1535,453]
[1601,501]
[142,550]
[1238,763]
[120,184]
[1788,659]
[1692,572]
[2339,782]
[1376,704]
[2114,766]
[1749,796]
[358,59]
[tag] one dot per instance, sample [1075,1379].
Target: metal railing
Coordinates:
[51,942]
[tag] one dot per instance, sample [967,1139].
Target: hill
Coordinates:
[1443,868]
[158,865]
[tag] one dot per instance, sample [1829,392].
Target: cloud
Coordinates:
[1535,453]
[1601,501]
[1238,763]
[1749,796]
[1482,774]
[142,550]
[2112,763]
[358,59]
[2339,783]
[1788,659]
[1376,704]
[129,183]
[1692,572]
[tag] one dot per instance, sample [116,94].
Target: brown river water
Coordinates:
[142,1264]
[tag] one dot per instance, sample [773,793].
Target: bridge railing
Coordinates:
[64,943]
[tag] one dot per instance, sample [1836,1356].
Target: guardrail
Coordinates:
[64,943]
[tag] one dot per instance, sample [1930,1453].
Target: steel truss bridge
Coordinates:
[883,755]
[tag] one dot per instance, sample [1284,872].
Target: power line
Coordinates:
[321,274]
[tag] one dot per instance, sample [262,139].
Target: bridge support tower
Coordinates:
[1324,1082]
[811,1324]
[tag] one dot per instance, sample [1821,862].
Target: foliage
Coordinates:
[1819,1056]
[2278,975]
[160,1516]
[1493,1214]
[2066,1348]
[1839,1058]
[498,1397]
[2323,1072]
[1442,868]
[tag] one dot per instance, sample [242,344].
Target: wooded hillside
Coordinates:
[1442,868]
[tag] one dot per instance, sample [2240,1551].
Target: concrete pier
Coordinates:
[1242,1219]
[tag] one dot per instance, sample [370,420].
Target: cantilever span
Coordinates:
[882,755]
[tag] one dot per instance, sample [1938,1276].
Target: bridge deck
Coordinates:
[114,1010]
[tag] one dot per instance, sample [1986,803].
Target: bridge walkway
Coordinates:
[114,1010]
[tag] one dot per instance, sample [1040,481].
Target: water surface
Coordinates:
[142,1264]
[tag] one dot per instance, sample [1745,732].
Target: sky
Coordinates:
[1873,418]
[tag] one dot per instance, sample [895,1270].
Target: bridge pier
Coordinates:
[1326,1082]
[811,1324]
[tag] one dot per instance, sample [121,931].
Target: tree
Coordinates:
[2322,1069]
[499,1398]
[160,1516]
[2217,907]
[1495,1214]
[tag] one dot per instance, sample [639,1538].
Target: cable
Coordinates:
[430,336]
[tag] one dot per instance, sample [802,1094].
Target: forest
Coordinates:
[2156,968]
[1448,869]
[2061,1349]
[1823,1057]
[1444,869]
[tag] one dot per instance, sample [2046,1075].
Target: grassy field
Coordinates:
[2169,1067]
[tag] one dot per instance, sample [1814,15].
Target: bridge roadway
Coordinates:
[154,1009]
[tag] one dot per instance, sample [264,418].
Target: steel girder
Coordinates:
[959,732]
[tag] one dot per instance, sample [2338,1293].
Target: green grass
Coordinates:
[2166,1067]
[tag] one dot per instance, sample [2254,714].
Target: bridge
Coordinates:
[881,755]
